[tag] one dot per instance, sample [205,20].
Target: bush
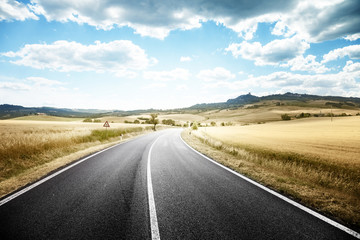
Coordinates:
[168,122]
[87,120]
[97,121]
[143,118]
[194,126]
[137,121]
[213,124]
[285,117]
[303,115]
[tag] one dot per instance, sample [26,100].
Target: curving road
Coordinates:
[155,186]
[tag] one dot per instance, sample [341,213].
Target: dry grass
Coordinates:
[312,160]
[31,144]
[267,112]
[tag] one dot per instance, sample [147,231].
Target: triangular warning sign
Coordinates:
[106,124]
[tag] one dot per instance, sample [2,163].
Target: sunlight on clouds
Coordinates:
[352,51]
[272,53]
[117,57]
[40,81]
[216,74]
[14,10]
[185,59]
[14,86]
[308,64]
[176,74]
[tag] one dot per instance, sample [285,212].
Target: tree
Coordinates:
[154,120]
[194,126]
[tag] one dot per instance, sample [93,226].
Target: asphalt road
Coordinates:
[107,197]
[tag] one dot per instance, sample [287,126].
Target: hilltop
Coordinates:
[290,98]
[246,101]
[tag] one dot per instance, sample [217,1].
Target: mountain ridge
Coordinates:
[8,111]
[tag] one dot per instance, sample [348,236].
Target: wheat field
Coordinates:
[27,143]
[337,141]
[313,160]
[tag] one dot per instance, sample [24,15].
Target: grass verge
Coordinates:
[26,159]
[327,188]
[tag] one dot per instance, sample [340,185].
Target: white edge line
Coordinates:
[298,205]
[28,188]
[155,234]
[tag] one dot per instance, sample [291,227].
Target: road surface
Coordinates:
[154,186]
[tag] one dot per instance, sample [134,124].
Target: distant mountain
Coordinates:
[11,111]
[8,111]
[242,100]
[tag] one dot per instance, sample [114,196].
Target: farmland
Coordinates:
[315,160]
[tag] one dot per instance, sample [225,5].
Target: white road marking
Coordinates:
[298,205]
[155,234]
[17,194]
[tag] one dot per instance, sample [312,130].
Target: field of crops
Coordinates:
[315,160]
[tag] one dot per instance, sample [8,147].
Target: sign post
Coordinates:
[106,125]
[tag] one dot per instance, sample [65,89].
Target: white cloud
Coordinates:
[308,64]
[216,74]
[117,57]
[40,81]
[344,83]
[185,59]
[273,53]
[314,21]
[173,75]
[159,18]
[352,67]
[14,10]
[318,21]
[352,51]
[352,37]
[16,86]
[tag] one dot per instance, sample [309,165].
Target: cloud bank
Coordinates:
[117,56]
[314,21]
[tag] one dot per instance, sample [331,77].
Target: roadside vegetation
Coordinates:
[29,144]
[314,161]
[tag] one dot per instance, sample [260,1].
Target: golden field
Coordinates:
[313,160]
[27,144]
[336,141]
[267,112]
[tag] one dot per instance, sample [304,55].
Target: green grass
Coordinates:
[105,135]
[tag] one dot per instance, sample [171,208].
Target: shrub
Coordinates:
[137,121]
[213,124]
[194,126]
[87,120]
[97,121]
[168,122]
[303,115]
[285,117]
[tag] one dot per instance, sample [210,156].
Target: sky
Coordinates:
[164,54]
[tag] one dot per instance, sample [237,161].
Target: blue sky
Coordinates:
[169,54]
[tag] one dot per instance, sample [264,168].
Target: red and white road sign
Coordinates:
[106,124]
